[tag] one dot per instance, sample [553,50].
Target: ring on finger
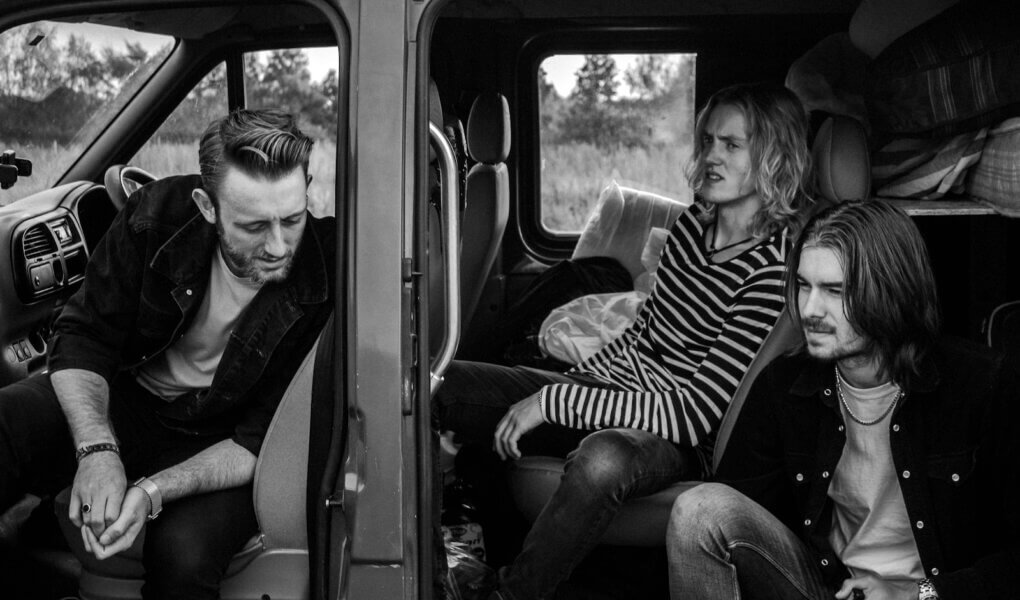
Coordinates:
[86,508]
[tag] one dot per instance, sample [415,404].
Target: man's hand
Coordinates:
[877,589]
[99,483]
[121,533]
[520,419]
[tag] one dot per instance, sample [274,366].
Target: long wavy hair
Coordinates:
[889,290]
[261,143]
[777,130]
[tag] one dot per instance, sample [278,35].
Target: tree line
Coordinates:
[596,113]
[50,89]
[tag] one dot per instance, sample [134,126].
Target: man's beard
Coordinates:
[856,348]
[248,266]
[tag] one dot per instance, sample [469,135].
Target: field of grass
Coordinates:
[573,175]
[163,159]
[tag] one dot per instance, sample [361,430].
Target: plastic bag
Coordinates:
[467,577]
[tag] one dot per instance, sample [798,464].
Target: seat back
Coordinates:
[486,196]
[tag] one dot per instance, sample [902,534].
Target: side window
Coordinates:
[302,81]
[604,117]
[173,149]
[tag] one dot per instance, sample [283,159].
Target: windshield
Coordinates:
[60,85]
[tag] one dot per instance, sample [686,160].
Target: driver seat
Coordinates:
[272,564]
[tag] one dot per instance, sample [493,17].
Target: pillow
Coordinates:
[619,225]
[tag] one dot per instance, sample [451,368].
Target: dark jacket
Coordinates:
[143,286]
[955,450]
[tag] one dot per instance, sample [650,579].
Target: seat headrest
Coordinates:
[488,129]
[842,162]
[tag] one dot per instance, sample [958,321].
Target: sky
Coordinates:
[561,69]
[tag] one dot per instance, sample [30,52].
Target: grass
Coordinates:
[163,159]
[573,175]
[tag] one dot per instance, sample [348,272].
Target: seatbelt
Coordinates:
[327,445]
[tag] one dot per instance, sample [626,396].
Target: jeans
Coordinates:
[723,545]
[188,548]
[603,469]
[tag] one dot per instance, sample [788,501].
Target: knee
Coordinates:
[606,460]
[710,510]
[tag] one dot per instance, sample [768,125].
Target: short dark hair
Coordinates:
[889,290]
[777,128]
[263,143]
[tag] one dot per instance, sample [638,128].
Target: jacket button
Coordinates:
[825,562]
[187,291]
[840,429]
[800,477]
[955,477]
[906,474]
[827,392]
[920,524]
[807,522]
[825,474]
[934,571]
[895,427]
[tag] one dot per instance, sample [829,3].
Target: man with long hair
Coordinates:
[642,413]
[877,461]
[168,364]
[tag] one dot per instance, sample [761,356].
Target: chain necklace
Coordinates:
[711,250]
[839,392]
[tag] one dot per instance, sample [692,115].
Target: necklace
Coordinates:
[839,392]
[711,250]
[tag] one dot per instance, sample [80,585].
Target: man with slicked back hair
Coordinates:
[167,365]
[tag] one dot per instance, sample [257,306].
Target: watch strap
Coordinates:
[155,497]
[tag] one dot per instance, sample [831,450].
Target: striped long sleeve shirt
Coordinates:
[677,367]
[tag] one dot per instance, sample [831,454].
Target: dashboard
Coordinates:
[45,243]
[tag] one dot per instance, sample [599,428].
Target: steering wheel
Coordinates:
[123,180]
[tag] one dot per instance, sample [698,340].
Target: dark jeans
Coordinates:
[723,545]
[188,548]
[603,468]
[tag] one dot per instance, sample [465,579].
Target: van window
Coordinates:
[61,84]
[302,81]
[173,149]
[605,117]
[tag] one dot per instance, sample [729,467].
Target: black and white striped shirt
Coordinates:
[679,364]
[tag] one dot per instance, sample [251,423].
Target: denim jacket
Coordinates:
[143,286]
[954,442]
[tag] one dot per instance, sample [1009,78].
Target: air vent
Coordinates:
[38,242]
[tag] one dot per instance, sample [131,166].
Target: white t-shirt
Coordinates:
[190,363]
[870,526]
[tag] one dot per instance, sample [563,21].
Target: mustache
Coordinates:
[816,325]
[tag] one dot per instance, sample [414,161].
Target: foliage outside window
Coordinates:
[623,117]
[60,85]
[273,79]
[304,82]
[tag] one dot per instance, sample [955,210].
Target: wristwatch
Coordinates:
[926,590]
[155,497]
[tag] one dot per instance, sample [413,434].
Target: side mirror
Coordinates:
[11,167]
